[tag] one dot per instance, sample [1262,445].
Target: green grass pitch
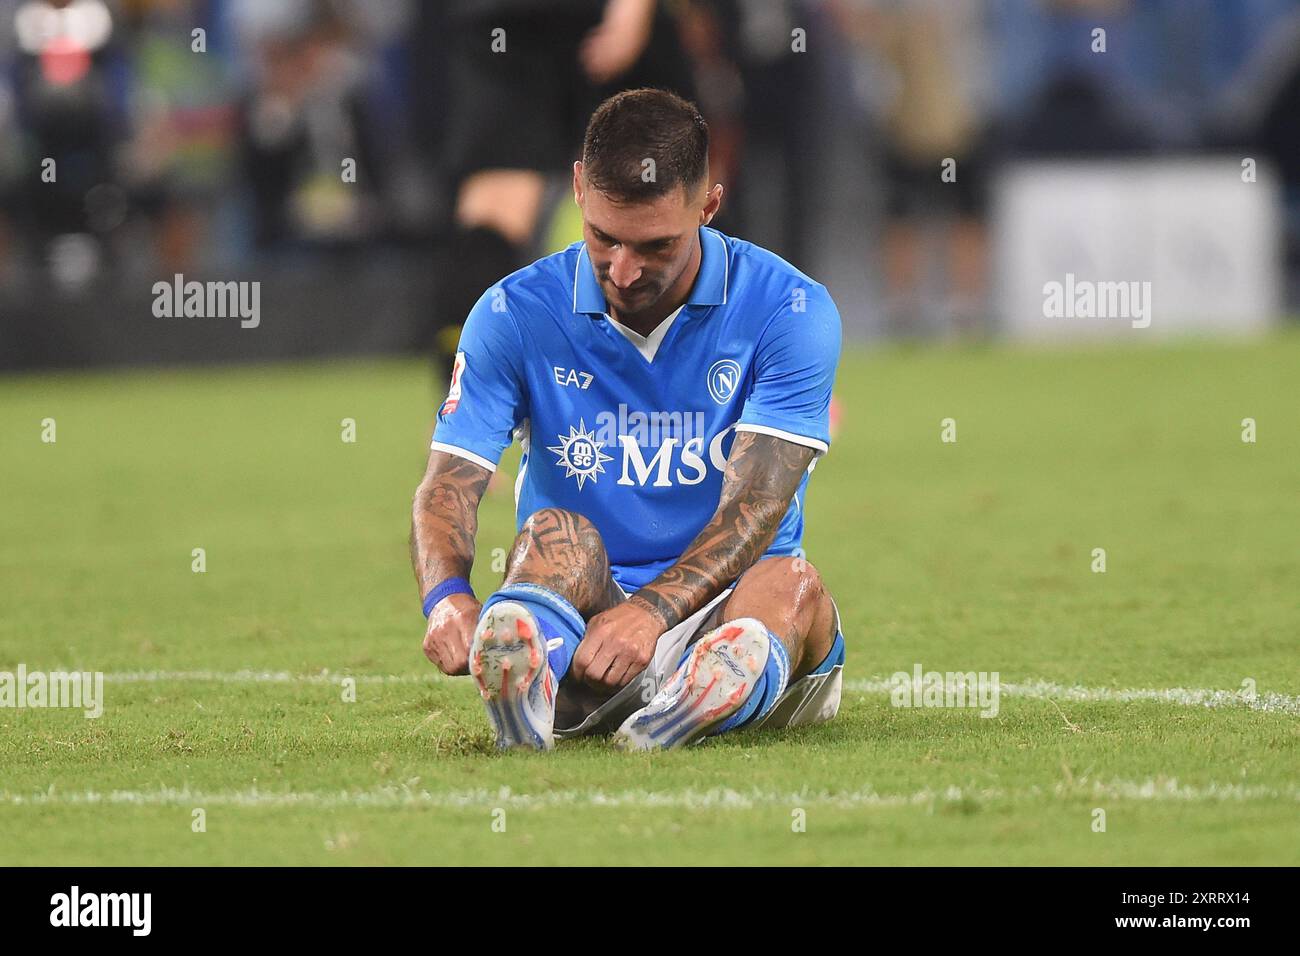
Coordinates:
[224,688]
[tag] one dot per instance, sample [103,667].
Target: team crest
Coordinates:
[580,454]
[723,379]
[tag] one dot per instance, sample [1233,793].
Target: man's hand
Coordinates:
[618,645]
[451,628]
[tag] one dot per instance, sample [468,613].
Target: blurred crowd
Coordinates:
[150,137]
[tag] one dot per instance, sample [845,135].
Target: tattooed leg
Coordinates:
[563,551]
[788,596]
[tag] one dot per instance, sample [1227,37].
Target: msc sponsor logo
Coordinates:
[679,456]
[579,453]
[692,456]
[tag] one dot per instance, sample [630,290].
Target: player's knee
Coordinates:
[567,526]
[794,580]
[791,570]
[798,583]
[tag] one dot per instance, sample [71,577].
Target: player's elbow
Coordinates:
[766,513]
[421,498]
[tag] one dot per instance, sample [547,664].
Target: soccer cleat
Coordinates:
[712,684]
[507,659]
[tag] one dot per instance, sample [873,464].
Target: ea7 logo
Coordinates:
[569,376]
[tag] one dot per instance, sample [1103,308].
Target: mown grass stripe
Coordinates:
[1152,789]
[1029,689]
[1181,696]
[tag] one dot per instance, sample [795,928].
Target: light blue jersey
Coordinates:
[634,432]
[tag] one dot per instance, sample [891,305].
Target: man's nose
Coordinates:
[624,268]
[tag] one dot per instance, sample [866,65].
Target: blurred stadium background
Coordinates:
[213,541]
[220,155]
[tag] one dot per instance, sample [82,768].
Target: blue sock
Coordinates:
[555,616]
[834,658]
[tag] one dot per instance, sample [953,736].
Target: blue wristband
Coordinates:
[447,587]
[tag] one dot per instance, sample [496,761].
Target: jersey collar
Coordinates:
[710,286]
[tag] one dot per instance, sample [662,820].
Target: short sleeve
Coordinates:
[794,371]
[487,397]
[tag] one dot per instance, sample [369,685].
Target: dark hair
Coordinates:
[638,125]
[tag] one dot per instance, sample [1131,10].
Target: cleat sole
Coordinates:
[507,656]
[713,684]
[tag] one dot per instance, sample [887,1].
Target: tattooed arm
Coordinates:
[444,521]
[763,473]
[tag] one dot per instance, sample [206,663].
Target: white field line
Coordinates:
[1182,696]
[1157,789]
[265,677]
[1030,690]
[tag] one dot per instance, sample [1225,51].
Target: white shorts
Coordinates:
[812,699]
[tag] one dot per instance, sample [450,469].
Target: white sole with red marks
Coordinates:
[507,658]
[713,684]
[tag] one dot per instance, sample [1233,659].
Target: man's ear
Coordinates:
[577,182]
[712,203]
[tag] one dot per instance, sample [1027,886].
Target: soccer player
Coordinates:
[670,388]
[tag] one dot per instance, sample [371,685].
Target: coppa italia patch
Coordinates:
[453,394]
[134,910]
